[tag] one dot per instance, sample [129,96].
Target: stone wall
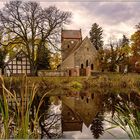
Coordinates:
[51,73]
[68,63]
[86,55]
[68,72]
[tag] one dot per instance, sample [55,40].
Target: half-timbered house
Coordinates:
[19,64]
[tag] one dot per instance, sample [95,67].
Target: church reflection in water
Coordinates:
[79,108]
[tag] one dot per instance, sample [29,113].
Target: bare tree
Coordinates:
[27,23]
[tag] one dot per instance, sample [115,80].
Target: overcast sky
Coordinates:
[115,17]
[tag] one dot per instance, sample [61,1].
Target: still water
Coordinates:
[85,116]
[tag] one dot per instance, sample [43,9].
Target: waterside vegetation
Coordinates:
[25,114]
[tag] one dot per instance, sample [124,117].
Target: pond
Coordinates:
[70,110]
[88,116]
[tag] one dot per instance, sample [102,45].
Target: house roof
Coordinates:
[72,34]
[21,51]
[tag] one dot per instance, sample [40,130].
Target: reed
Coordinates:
[128,119]
[16,108]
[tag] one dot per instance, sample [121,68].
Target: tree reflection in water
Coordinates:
[97,128]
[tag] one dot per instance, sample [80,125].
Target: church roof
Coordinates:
[85,111]
[77,46]
[71,34]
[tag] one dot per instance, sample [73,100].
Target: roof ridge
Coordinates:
[21,50]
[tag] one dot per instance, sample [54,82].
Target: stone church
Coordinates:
[77,52]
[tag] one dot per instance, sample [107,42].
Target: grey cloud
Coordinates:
[114,12]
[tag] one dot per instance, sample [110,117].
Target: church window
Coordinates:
[72,118]
[86,63]
[72,42]
[82,97]
[68,113]
[87,100]
[68,46]
[92,66]
[92,96]
[82,66]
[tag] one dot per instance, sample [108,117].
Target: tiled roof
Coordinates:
[72,34]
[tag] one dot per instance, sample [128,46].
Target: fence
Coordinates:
[50,73]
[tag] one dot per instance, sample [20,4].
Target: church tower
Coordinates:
[69,40]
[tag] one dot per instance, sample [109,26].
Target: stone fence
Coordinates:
[68,72]
[51,73]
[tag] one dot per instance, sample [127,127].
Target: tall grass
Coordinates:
[128,120]
[17,110]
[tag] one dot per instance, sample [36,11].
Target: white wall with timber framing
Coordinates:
[19,64]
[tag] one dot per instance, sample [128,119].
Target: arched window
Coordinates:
[68,46]
[87,100]
[82,66]
[92,66]
[86,63]
[68,113]
[92,96]
[82,97]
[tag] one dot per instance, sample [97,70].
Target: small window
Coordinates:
[86,63]
[82,66]
[87,100]
[92,96]
[72,42]
[87,49]
[19,58]
[68,113]
[68,46]
[82,97]
[92,66]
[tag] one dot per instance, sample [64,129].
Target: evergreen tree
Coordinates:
[124,41]
[97,126]
[44,59]
[96,36]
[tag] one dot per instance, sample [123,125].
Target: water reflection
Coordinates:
[84,109]
[83,105]
[83,115]
[97,128]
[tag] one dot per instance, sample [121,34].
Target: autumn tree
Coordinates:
[27,22]
[135,47]
[119,53]
[3,53]
[55,60]
[116,53]
[135,39]
[96,37]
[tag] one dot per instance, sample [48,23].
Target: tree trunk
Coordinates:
[33,69]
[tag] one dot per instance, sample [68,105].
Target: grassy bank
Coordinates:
[103,83]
